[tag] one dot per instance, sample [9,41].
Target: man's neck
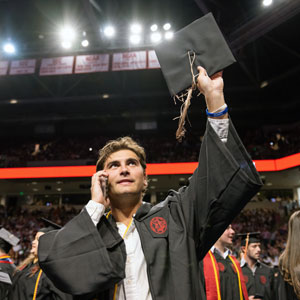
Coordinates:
[220,246]
[124,214]
[250,261]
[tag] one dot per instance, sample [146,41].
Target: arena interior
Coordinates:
[73,75]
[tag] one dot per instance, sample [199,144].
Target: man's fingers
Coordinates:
[202,71]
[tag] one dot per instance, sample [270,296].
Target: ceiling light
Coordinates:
[67,33]
[155,37]
[13,101]
[167,26]
[66,44]
[169,35]
[84,43]
[153,27]
[263,84]
[109,31]
[135,39]
[9,48]
[136,28]
[267,2]
[105,96]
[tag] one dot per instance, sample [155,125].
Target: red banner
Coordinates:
[152,60]
[135,60]
[92,63]
[25,66]
[3,67]
[57,66]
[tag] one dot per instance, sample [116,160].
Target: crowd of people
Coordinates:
[25,222]
[262,143]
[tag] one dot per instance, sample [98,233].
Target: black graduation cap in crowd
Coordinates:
[7,240]
[201,43]
[253,237]
[49,226]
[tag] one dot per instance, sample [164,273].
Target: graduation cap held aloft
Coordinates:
[201,43]
[7,240]
[249,238]
[49,226]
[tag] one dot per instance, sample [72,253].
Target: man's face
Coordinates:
[126,176]
[227,236]
[254,251]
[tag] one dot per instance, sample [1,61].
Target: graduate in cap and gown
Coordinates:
[287,280]
[220,273]
[7,267]
[29,281]
[142,252]
[258,276]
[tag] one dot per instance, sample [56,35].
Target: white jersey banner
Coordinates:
[92,63]
[3,67]
[152,60]
[57,65]
[135,60]
[25,66]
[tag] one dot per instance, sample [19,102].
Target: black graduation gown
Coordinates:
[188,223]
[229,285]
[262,282]
[6,271]
[282,289]
[24,285]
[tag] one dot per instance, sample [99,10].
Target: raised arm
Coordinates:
[225,179]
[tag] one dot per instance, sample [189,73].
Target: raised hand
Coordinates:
[212,89]
[99,188]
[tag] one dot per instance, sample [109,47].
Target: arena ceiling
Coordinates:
[261,88]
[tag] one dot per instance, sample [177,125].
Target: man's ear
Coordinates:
[145,181]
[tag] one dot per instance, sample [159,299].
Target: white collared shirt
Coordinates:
[135,286]
[213,249]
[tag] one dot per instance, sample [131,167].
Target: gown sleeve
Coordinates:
[81,258]
[224,181]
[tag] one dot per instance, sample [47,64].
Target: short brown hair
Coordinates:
[122,143]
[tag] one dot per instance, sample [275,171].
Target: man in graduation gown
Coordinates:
[7,267]
[258,276]
[220,272]
[139,251]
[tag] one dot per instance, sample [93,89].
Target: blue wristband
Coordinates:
[218,114]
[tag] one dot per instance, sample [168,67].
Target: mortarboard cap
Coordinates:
[253,237]
[203,38]
[248,238]
[7,240]
[49,226]
[199,44]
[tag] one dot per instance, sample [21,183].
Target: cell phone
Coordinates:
[104,186]
[258,296]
